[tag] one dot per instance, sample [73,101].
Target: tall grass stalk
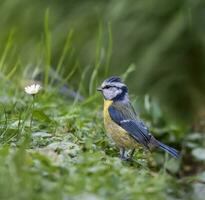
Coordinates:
[7,48]
[109,49]
[47,48]
[81,84]
[5,126]
[65,80]
[129,70]
[97,61]
[65,51]
[13,70]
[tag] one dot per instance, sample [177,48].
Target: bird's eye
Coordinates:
[106,87]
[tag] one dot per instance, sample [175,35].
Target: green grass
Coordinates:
[65,153]
[68,156]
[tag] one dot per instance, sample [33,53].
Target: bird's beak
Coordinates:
[99,89]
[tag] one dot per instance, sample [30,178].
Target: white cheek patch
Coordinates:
[116,92]
[107,94]
[112,92]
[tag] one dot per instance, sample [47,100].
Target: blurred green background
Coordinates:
[71,46]
[164,40]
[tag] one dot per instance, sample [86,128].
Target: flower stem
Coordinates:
[32,108]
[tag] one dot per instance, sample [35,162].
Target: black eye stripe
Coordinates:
[109,86]
[106,87]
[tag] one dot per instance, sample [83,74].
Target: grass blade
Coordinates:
[47,48]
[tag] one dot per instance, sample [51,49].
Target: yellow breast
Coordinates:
[118,134]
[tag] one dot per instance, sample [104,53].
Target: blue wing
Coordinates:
[123,115]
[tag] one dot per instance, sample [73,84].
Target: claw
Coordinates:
[132,153]
[124,157]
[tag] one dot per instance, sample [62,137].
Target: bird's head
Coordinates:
[113,89]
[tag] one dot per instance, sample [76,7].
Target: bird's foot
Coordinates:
[125,157]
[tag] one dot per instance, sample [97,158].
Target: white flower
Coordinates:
[32,89]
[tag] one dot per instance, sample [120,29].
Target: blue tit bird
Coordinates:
[122,123]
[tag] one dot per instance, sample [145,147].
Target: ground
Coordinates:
[64,153]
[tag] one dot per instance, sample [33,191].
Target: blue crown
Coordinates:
[113,79]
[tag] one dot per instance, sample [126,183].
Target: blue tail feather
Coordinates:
[169,150]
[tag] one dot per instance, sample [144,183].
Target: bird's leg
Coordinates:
[131,154]
[122,154]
